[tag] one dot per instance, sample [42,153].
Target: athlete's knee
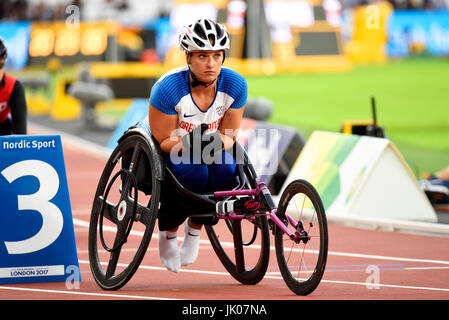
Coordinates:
[222,175]
[194,177]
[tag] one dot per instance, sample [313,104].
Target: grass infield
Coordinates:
[412,104]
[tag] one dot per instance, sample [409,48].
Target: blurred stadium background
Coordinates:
[318,62]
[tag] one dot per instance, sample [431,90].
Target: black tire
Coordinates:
[127,214]
[245,235]
[236,264]
[302,264]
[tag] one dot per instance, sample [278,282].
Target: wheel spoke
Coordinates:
[135,156]
[143,214]
[107,210]
[128,183]
[113,258]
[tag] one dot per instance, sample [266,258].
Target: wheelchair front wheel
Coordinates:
[123,216]
[302,262]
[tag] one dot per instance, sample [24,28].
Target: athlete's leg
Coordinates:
[192,176]
[221,175]
[190,245]
[169,251]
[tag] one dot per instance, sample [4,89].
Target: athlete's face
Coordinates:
[206,65]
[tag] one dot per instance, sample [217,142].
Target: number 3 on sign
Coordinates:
[52,219]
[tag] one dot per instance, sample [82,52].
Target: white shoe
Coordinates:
[169,251]
[190,245]
[434,185]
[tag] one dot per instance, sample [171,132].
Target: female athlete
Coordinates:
[194,113]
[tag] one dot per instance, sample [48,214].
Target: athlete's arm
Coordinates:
[163,126]
[230,125]
[18,105]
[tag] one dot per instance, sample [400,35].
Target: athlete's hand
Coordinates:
[207,144]
[194,137]
[211,147]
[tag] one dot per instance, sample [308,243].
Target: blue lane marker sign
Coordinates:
[37,238]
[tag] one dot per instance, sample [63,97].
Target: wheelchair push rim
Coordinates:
[121,212]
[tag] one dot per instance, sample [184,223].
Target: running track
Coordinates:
[407,266]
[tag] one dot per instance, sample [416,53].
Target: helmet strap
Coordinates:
[196,82]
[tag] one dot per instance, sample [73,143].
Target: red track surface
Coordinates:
[407,266]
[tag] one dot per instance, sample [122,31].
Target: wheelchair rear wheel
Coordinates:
[122,215]
[246,261]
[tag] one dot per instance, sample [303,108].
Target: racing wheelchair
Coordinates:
[136,188]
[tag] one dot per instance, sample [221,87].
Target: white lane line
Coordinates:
[230,244]
[85,293]
[364,270]
[82,223]
[72,292]
[164,269]
[424,268]
[370,256]
[368,284]
[81,212]
[123,250]
[218,273]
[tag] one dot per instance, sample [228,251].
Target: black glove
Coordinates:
[211,147]
[195,136]
[198,141]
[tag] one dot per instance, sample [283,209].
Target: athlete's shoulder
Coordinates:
[232,82]
[175,77]
[169,89]
[8,83]
[176,73]
[9,79]
[229,74]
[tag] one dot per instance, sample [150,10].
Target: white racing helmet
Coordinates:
[204,34]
